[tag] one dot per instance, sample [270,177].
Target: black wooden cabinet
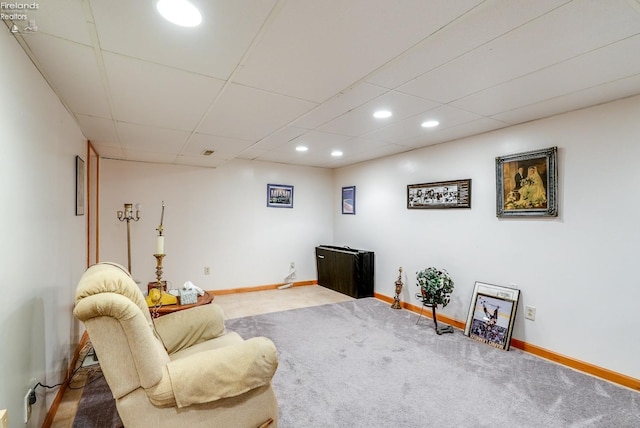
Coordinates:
[345,270]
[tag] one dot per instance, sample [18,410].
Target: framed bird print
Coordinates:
[491,314]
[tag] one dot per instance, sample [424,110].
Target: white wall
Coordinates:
[578,270]
[43,251]
[216,218]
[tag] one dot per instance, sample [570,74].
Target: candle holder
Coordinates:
[159,258]
[127,215]
[396,298]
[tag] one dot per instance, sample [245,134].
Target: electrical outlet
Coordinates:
[207,270]
[29,400]
[4,419]
[530,313]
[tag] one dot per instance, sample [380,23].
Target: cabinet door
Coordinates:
[324,263]
[337,270]
[344,274]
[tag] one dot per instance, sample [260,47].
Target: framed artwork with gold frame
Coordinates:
[527,184]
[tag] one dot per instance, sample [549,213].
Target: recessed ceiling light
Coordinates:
[336,153]
[430,124]
[302,148]
[180,12]
[207,152]
[382,114]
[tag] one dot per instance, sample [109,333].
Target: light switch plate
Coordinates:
[530,313]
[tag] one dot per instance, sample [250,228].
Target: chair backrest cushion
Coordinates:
[117,319]
[111,277]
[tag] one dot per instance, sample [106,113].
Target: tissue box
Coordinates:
[188,297]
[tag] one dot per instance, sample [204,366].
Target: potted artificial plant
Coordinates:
[436,287]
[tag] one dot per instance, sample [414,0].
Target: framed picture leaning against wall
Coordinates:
[491,314]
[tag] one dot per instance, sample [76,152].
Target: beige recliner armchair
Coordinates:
[179,370]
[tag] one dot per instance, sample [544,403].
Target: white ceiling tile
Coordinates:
[312,71]
[360,121]
[280,137]
[81,84]
[281,156]
[475,127]
[568,31]
[148,138]
[203,161]
[214,48]
[350,38]
[587,97]
[318,139]
[251,114]
[479,26]
[318,144]
[62,18]
[108,151]
[342,103]
[559,79]
[363,145]
[98,129]
[148,156]
[156,95]
[373,153]
[409,128]
[252,153]
[223,147]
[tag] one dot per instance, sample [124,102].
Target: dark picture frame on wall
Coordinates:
[440,194]
[349,200]
[79,185]
[492,314]
[527,184]
[279,196]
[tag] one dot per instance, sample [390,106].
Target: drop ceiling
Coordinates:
[260,77]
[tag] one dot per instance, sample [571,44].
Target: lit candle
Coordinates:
[160,245]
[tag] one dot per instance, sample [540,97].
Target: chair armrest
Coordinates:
[189,327]
[221,373]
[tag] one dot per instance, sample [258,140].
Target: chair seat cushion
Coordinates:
[223,372]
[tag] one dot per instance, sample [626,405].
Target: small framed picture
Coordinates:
[491,314]
[527,184]
[441,194]
[349,200]
[79,186]
[279,196]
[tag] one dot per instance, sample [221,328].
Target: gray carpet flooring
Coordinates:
[361,364]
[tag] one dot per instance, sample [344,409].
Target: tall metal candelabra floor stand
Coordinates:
[439,330]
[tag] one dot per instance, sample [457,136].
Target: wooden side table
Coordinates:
[202,300]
